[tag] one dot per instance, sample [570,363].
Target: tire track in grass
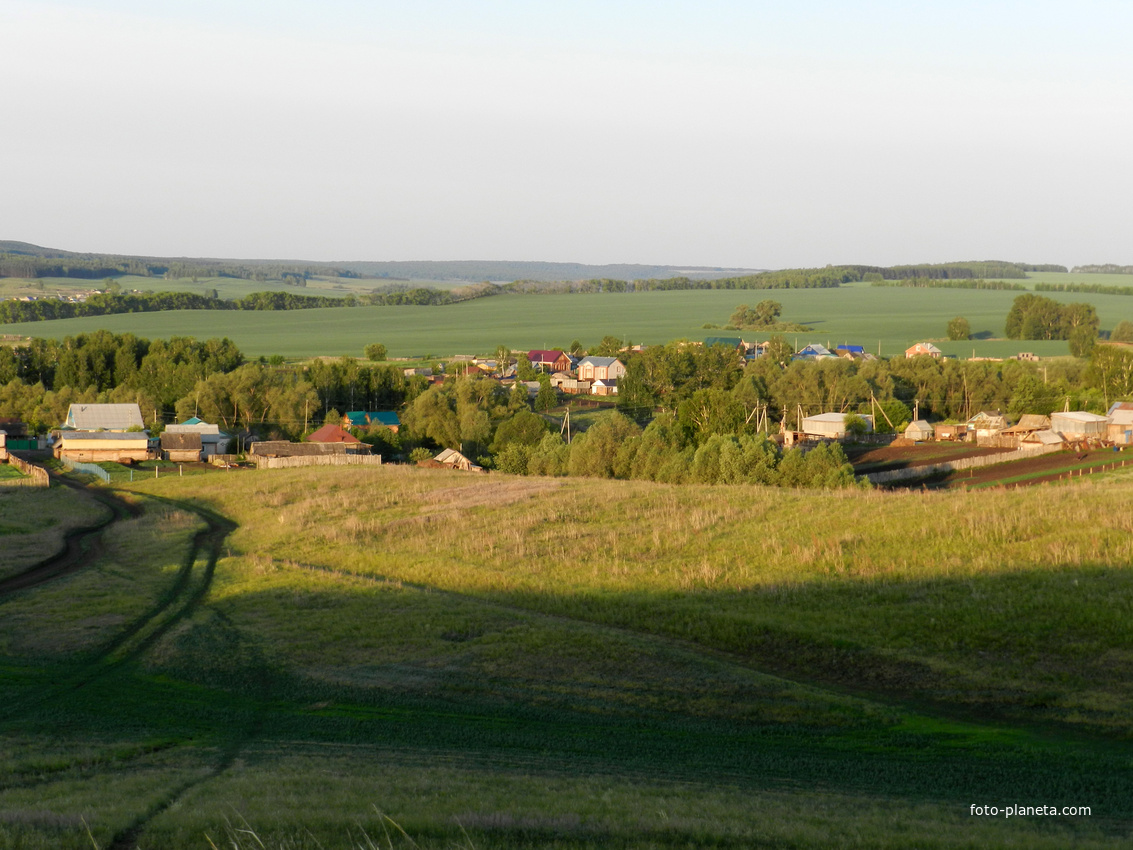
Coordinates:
[82,546]
[82,549]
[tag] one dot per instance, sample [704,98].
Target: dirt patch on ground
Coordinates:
[1027,472]
[879,458]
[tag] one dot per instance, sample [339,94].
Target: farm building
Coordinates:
[985,424]
[285,448]
[925,348]
[949,431]
[565,383]
[918,431]
[103,417]
[600,368]
[831,426]
[337,435]
[1039,440]
[181,447]
[94,446]
[1120,429]
[1076,425]
[3,446]
[213,440]
[1029,423]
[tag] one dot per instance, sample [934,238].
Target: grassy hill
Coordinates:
[325,657]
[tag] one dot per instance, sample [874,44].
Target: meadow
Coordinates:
[404,657]
[888,319]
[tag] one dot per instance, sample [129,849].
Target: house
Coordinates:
[830,426]
[814,351]
[1077,425]
[94,446]
[452,459]
[181,447]
[104,417]
[331,433]
[213,440]
[600,368]
[924,348]
[732,342]
[550,361]
[365,419]
[919,431]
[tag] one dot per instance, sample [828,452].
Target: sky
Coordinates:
[711,133]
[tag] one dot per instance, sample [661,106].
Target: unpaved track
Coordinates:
[81,546]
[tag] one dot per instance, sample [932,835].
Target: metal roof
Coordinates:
[112,417]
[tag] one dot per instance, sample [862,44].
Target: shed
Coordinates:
[918,431]
[453,460]
[181,447]
[1120,429]
[1039,439]
[949,430]
[285,448]
[213,440]
[1079,425]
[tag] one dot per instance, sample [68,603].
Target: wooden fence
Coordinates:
[36,475]
[315,460]
[961,463]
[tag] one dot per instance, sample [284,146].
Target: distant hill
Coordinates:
[23,259]
[508,270]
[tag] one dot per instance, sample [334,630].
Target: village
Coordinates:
[116,433]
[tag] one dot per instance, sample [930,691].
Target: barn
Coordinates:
[1075,425]
[830,426]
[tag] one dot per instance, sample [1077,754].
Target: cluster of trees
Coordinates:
[950,283]
[114,302]
[30,261]
[763,315]
[1094,288]
[182,377]
[1036,317]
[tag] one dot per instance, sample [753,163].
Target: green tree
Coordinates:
[1122,332]
[375,351]
[1082,340]
[959,328]
[546,398]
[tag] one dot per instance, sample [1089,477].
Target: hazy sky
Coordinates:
[756,134]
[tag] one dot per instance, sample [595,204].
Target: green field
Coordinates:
[396,657]
[859,314]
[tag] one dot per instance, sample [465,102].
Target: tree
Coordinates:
[546,398]
[1082,340]
[762,315]
[1122,332]
[959,328]
[375,351]
[779,350]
